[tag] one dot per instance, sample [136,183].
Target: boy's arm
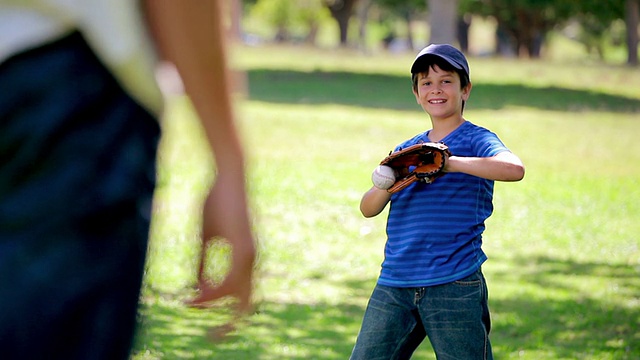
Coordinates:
[374,201]
[505,166]
[190,34]
[502,167]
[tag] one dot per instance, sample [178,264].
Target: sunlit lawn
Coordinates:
[564,256]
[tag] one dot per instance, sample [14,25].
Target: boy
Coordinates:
[431,283]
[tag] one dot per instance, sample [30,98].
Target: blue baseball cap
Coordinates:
[446,52]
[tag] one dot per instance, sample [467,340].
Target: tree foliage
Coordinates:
[405,10]
[284,15]
[596,20]
[524,24]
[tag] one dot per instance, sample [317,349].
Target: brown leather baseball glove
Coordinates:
[420,162]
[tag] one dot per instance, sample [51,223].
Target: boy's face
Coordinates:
[439,93]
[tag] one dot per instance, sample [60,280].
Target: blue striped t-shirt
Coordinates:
[434,231]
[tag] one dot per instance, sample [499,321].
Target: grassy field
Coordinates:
[564,254]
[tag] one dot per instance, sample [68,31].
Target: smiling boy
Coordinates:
[431,283]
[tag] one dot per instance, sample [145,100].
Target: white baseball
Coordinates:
[383,177]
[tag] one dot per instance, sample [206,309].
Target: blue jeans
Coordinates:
[454,316]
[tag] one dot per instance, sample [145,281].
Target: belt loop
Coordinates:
[419,293]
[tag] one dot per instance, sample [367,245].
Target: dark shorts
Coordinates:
[77,174]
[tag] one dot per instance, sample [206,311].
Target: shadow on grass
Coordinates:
[394,92]
[314,330]
[551,318]
[576,323]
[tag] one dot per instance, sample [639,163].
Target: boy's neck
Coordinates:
[443,127]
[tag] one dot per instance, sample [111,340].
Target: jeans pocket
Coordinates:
[474,279]
[467,283]
[472,286]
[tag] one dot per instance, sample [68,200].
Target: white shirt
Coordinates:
[114,29]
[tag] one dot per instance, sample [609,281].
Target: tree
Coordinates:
[405,10]
[310,13]
[363,19]
[278,13]
[595,18]
[341,11]
[632,12]
[443,20]
[523,24]
[284,15]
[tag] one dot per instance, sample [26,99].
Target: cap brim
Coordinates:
[419,61]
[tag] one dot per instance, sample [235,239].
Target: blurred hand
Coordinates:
[225,216]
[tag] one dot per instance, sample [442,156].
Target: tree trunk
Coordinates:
[535,44]
[443,20]
[505,44]
[341,10]
[312,35]
[632,12]
[529,32]
[363,19]
[464,23]
[406,15]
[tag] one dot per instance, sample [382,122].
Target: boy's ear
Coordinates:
[466,91]
[415,93]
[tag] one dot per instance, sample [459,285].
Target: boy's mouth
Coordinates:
[437,101]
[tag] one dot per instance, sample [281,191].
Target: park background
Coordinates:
[317,116]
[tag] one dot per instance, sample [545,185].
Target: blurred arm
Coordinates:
[190,34]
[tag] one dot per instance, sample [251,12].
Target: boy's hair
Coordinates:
[430,62]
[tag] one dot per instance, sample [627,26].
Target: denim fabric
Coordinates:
[77,174]
[454,317]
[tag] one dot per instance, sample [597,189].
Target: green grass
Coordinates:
[564,256]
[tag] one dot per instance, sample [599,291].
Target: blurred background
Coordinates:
[605,30]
